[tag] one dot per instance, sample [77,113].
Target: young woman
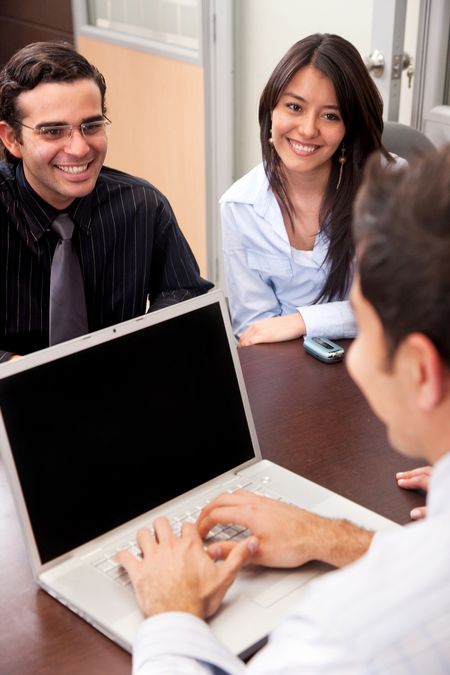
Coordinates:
[287,242]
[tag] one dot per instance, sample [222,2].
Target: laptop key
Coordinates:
[107,564]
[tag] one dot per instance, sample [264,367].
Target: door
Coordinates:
[431,107]
[413,38]
[387,58]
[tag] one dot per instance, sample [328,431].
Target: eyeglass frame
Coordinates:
[104,123]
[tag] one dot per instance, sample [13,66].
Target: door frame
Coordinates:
[218,64]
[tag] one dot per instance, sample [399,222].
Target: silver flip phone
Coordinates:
[323,349]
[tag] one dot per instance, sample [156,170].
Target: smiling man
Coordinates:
[388,611]
[53,129]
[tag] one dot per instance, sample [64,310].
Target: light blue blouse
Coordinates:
[265,276]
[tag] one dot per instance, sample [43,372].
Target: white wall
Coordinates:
[265,29]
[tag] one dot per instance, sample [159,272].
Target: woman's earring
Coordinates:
[270,138]
[342,160]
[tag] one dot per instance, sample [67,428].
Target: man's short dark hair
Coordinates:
[36,63]
[402,230]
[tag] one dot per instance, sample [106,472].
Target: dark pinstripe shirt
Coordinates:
[128,241]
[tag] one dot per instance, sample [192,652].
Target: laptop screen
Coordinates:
[102,435]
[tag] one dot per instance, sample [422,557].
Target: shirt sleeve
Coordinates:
[298,646]
[174,274]
[195,651]
[329,319]
[250,297]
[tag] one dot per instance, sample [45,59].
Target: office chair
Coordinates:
[405,141]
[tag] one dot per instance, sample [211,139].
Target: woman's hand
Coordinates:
[275,329]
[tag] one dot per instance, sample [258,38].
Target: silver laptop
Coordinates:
[101,434]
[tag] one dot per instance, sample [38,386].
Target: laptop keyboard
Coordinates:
[106,563]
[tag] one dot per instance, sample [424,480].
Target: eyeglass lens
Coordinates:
[88,129]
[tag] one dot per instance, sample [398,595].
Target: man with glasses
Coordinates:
[125,237]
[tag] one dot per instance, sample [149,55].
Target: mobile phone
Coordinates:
[324,349]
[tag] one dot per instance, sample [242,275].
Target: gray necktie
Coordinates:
[68,316]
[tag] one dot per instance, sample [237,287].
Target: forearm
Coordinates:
[340,542]
[278,329]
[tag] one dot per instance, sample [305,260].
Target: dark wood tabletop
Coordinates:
[309,417]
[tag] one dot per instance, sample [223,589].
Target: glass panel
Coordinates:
[189,21]
[171,22]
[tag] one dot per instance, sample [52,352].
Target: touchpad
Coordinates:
[267,586]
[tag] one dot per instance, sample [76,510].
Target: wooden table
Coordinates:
[312,419]
[309,417]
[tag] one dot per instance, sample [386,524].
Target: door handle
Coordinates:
[375,63]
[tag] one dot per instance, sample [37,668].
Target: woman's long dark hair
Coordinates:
[361,108]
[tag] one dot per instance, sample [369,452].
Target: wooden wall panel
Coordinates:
[22,22]
[156,105]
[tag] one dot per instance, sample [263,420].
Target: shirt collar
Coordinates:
[80,211]
[438,500]
[39,214]
[267,207]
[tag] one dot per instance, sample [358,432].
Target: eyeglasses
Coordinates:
[57,132]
